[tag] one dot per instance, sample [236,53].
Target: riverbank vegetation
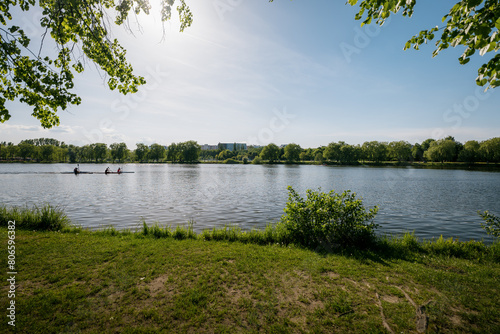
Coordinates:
[41,218]
[322,221]
[446,152]
[319,269]
[117,281]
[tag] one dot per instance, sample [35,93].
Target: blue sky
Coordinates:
[288,71]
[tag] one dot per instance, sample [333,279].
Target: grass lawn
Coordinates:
[101,283]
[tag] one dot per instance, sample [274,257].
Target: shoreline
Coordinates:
[478,166]
[225,280]
[105,282]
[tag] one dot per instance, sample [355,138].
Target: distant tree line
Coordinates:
[51,150]
[430,150]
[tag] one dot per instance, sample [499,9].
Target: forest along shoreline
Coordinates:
[442,153]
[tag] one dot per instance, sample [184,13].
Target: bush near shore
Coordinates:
[160,279]
[292,230]
[41,218]
[147,282]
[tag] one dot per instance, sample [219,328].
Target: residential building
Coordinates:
[233,146]
[206,147]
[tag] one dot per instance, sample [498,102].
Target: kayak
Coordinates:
[112,172]
[97,172]
[78,172]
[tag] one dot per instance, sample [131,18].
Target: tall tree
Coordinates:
[86,153]
[33,75]
[73,153]
[490,149]
[173,152]
[342,152]
[292,152]
[375,151]
[441,150]
[417,153]
[270,152]
[119,151]
[470,153]
[26,150]
[306,155]
[10,150]
[473,24]
[189,151]
[224,154]
[100,151]
[156,152]
[332,151]
[426,144]
[46,152]
[141,152]
[254,152]
[400,150]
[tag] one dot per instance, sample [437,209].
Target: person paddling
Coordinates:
[107,170]
[119,170]
[77,170]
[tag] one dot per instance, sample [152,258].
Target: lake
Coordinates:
[431,202]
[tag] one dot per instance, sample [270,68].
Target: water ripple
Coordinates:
[429,202]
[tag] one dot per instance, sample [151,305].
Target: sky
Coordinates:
[298,71]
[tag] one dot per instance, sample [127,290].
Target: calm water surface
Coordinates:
[430,202]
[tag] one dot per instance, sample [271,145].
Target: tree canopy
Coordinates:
[473,24]
[443,150]
[36,77]
[270,152]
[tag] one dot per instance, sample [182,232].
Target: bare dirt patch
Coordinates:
[456,320]
[351,281]
[115,296]
[331,274]
[157,285]
[390,299]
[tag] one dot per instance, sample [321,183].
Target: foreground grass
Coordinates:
[45,217]
[109,282]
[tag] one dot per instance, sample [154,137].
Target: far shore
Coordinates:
[480,166]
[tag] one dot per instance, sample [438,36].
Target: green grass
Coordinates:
[46,217]
[179,282]
[226,280]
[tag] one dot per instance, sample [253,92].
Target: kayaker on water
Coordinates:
[77,169]
[119,170]
[107,170]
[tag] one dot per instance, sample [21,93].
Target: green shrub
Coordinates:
[491,224]
[231,161]
[257,161]
[327,220]
[455,248]
[183,232]
[145,228]
[158,232]
[180,233]
[110,230]
[410,241]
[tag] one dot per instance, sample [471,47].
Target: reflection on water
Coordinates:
[430,202]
